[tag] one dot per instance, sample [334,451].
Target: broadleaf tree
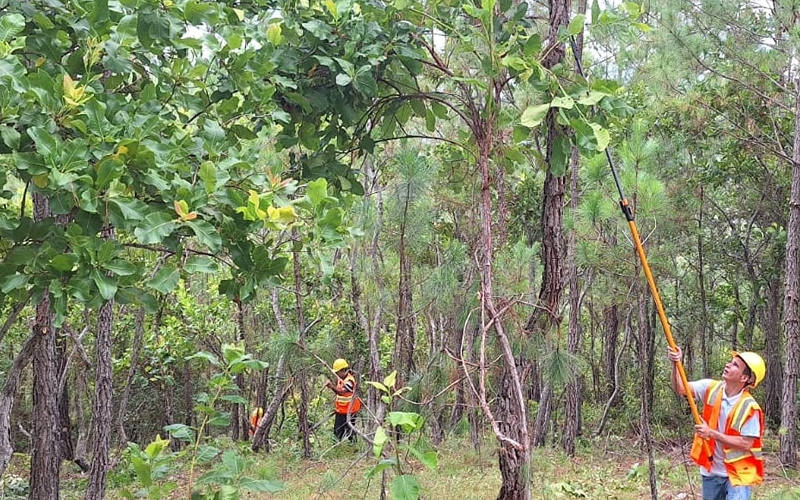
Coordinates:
[147,119]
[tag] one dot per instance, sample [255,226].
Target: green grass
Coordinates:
[603,468]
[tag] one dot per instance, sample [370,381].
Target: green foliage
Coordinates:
[14,487]
[227,479]
[152,121]
[394,436]
[226,476]
[150,467]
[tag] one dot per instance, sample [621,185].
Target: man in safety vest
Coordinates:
[346,404]
[255,416]
[732,426]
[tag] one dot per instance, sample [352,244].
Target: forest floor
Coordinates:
[603,468]
[611,470]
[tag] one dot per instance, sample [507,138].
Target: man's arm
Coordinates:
[743,443]
[343,392]
[677,385]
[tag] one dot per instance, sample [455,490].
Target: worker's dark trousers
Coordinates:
[340,428]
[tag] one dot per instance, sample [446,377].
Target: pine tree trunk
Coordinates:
[406,332]
[545,318]
[45,463]
[102,411]
[610,339]
[572,410]
[788,439]
[65,445]
[373,326]
[645,349]
[773,352]
[701,283]
[542,423]
[514,463]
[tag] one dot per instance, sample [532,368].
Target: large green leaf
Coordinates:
[576,25]
[602,136]
[180,431]
[154,228]
[129,209]
[106,285]
[264,485]
[13,282]
[200,264]
[533,116]
[317,191]
[11,25]
[379,441]
[408,421]
[65,262]
[206,453]
[120,267]
[165,280]
[233,463]
[206,234]
[405,487]
[107,170]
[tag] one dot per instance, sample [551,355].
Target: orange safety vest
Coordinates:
[255,416]
[744,468]
[342,403]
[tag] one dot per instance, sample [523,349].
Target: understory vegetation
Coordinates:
[609,468]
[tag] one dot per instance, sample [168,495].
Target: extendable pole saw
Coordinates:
[628,212]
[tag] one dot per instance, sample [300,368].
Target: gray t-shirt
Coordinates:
[751,428]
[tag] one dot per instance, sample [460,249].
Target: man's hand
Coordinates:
[674,355]
[704,431]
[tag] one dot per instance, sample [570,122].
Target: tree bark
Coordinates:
[788,440]
[513,462]
[546,317]
[572,410]
[65,445]
[102,418]
[701,283]
[542,422]
[11,318]
[406,332]
[45,462]
[773,352]
[645,350]
[373,326]
[610,340]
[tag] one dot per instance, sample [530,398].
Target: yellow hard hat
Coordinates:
[755,363]
[339,364]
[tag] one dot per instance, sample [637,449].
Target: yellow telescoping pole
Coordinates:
[662,316]
[659,306]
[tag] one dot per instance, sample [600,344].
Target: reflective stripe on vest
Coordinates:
[741,413]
